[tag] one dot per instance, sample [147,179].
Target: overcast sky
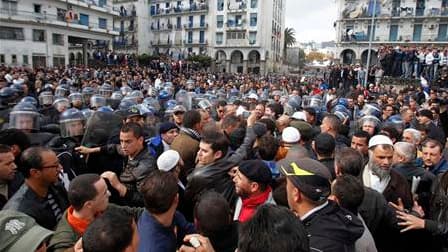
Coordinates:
[311,19]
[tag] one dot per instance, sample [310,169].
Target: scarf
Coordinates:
[192,133]
[79,225]
[250,205]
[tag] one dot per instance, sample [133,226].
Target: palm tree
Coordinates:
[290,40]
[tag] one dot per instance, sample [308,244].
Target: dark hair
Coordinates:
[159,191]
[15,137]
[133,127]
[349,191]
[362,134]
[111,232]
[273,228]
[221,103]
[270,124]
[4,148]
[217,140]
[349,161]
[191,118]
[334,122]
[276,108]
[310,111]
[391,132]
[432,143]
[230,121]
[212,213]
[324,144]
[82,189]
[32,159]
[267,147]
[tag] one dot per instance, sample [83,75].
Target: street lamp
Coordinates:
[369,52]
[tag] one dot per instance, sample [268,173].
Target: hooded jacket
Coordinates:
[333,229]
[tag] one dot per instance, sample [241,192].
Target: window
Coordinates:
[61,14]
[83,19]
[9,7]
[253,19]
[202,21]
[369,30]
[252,38]
[420,8]
[190,37]
[236,35]
[25,59]
[444,10]
[11,33]
[393,33]
[219,38]
[417,34]
[102,23]
[442,35]
[190,21]
[219,21]
[58,39]
[58,61]
[179,22]
[238,20]
[102,3]
[253,4]
[201,37]
[37,8]
[220,5]
[39,35]
[2,58]
[14,59]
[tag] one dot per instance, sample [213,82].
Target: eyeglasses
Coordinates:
[179,113]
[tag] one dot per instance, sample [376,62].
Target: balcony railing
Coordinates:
[407,12]
[161,43]
[236,7]
[196,7]
[195,42]
[93,4]
[363,37]
[124,45]
[60,19]
[161,28]
[195,26]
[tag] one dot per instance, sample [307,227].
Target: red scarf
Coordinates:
[250,205]
[79,225]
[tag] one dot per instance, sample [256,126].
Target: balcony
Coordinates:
[362,38]
[94,5]
[161,28]
[161,43]
[195,42]
[237,7]
[195,26]
[126,12]
[59,20]
[123,1]
[125,45]
[403,12]
[177,10]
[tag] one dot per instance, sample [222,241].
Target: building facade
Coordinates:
[397,22]
[54,32]
[244,36]
[133,24]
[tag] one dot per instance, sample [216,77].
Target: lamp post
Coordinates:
[369,52]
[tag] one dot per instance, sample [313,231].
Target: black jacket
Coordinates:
[25,200]
[333,229]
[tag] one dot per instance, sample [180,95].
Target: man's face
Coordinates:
[75,128]
[360,144]
[388,111]
[130,144]
[8,168]
[309,117]
[24,122]
[407,116]
[206,155]
[423,120]
[325,126]
[220,110]
[381,160]
[369,127]
[268,112]
[431,156]
[408,137]
[101,200]
[291,190]
[361,100]
[136,119]
[178,117]
[242,185]
[169,136]
[259,109]
[51,167]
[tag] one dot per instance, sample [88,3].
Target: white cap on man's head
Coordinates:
[290,135]
[299,115]
[168,160]
[380,140]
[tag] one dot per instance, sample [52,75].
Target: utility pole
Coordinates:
[369,52]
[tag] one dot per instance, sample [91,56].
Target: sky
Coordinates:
[312,19]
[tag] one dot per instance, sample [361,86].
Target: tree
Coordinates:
[312,56]
[200,61]
[290,40]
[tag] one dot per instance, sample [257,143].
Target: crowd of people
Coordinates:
[157,158]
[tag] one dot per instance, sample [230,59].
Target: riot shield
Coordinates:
[101,127]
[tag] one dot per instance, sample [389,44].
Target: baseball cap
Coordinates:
[310,176]
[167,126]
[290,135]
[380,140]
[179,108]
[168,160]
[256,171]
[19,232]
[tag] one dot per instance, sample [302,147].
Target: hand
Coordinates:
[418,209]
[410,221]
[399,206]
[115,182]
[205,246]
[84,150]
[252,119]
[78,246]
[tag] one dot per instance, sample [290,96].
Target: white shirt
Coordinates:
[314,210]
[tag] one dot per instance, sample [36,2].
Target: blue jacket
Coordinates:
[155,146]
[440,168]
[157,238]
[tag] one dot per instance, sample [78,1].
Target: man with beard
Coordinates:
[379,176]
